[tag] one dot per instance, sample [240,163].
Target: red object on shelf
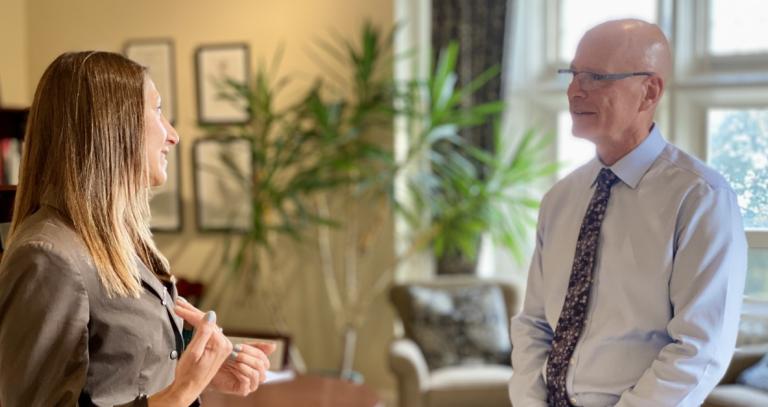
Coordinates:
[192,291]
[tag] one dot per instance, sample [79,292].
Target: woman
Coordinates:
[87,311]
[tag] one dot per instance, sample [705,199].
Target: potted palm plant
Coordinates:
[315,159]
[465,192]
[333,141]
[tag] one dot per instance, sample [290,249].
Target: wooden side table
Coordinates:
[303,391]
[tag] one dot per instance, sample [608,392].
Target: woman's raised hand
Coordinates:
[200,362]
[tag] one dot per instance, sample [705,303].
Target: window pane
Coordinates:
[738,145]
[737,26]
[757,276]
[577,16]
[571,151]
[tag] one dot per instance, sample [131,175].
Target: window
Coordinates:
[738,149]
[737,27]
[715,106]
[571,151]
[577,16]
[757,278]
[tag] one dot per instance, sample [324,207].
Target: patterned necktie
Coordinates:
[571,321]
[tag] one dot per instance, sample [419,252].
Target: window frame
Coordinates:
[726,62]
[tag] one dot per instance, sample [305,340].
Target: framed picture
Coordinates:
[215,65]
[223,170]
[158,56]
[165,203]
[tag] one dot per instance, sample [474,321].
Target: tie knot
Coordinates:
[606,178]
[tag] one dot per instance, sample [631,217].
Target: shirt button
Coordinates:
[174,355]
[164,302]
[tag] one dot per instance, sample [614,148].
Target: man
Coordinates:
[635,286]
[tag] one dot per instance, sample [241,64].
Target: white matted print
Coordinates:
[216,64]
[158,56]
[223,171]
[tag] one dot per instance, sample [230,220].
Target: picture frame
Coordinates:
[214,64]
[165,203]
[222,191]
[158,56]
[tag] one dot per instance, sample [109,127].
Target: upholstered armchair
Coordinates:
[731,393]
[455,350]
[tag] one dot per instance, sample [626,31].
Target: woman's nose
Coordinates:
[173,136]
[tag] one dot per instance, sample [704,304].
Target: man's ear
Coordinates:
[654,89]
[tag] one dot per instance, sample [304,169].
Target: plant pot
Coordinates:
[455,264]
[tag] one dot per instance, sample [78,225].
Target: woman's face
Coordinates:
[159,135]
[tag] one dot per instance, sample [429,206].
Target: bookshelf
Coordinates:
[7,195]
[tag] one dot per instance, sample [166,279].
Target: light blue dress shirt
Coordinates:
[667,286]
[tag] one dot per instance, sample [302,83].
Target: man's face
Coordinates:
[603,110]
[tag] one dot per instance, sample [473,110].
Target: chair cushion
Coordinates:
[756,376]
[461,325]
[463,386]
[470,377]
[736,395]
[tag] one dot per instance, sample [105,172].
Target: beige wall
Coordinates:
[55,26]
[13,55]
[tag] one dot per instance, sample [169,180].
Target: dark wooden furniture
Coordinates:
[13,122]
[7,195]
[12,125]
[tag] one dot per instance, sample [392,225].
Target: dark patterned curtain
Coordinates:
[478,26]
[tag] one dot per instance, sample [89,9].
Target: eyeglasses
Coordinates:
[593,80]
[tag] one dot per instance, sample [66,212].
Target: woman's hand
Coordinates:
[245,368]
[199,363]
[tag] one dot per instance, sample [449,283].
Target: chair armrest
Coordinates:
[743,358]
[407,362]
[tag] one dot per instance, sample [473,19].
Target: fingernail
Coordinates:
[210,316]
[233,355]
[238,347]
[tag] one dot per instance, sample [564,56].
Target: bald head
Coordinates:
[629,45]
[617,115]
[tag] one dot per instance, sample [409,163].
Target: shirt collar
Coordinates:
[631,168]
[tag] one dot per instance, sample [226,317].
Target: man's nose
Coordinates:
[575,89]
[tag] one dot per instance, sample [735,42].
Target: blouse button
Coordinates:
[174,355]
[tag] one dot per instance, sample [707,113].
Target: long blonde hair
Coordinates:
[84,146]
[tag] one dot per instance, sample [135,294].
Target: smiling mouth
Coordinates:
[582,113]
